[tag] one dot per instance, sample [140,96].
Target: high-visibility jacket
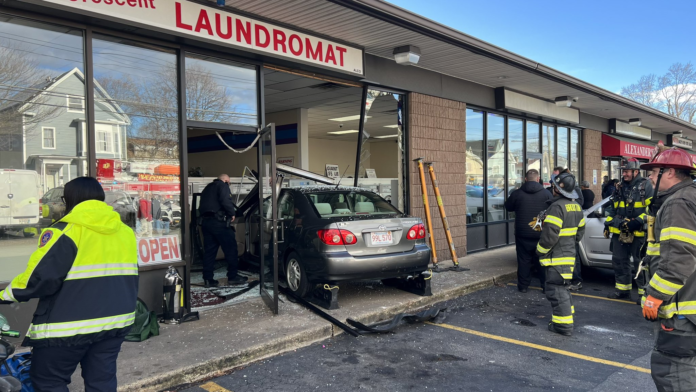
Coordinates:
[630,202]
[672,257]
[564,226]
[85,274]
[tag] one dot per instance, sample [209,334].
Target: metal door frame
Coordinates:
[271,299]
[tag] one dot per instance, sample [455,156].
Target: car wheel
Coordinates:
[29,234]
[295,276]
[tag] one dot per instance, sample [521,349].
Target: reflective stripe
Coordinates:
[562,319]
[641,291]
[101,273]
[614,230]
[664,286]
[679,234]
[555,220]
[624,287]
[653,249]
[639,204]
[639,233]
[642,216]
[63,330]
[609,219]
[567,276]
[542,250]
[686,307]
[7,294]
[572,309]
[95,267]
[582,223]
[569,232]
[558,261]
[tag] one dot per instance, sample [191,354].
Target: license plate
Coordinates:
[23,221]
[381,238]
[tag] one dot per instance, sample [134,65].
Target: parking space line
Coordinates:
[543,348]
[584,295]
[213,387]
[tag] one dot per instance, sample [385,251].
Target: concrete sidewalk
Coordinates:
[232,336]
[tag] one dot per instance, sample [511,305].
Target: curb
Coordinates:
[222,365]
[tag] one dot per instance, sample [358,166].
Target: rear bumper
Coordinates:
[341,266]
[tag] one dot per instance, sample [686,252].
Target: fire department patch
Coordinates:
[45,237]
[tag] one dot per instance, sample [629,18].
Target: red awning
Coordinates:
[616,146]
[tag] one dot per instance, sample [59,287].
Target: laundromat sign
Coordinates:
[215,24]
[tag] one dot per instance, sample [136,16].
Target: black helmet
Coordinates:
[630,164]
[565,185]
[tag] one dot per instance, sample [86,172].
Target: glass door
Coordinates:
[268,243]
[534,161]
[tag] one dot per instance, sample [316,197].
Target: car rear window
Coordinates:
[350,203]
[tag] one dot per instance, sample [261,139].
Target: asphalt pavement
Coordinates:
[492,340]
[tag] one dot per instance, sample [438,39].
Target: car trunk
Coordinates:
[377,236]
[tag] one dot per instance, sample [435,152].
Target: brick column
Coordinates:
[592,160]
[437,133]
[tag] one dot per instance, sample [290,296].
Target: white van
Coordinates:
[19,200]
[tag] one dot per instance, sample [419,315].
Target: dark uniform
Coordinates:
[216,211]
[564,227]
[630,202]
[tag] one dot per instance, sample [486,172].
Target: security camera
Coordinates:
[575,99]
[340,125]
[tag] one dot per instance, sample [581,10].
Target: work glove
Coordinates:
[634,225]
[651,307]
[606,232]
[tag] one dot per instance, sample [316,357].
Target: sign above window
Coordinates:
[217,25]
[627,129]
[679,141]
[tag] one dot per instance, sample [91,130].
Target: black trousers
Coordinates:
[621,260]
[577,271]
[527,260]
[52,367]
[216,234]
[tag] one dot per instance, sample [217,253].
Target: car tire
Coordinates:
[295,276]
[28,235]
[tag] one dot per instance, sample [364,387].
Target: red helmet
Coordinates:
[672,158]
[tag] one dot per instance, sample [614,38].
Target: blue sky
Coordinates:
[608,43]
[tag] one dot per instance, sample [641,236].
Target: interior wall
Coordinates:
[384,158]
[334,152]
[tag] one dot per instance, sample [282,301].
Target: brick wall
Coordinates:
[437,133]
[592,160]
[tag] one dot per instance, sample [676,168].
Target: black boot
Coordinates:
[237,280]
[211,283]
[620,294]
[552,328]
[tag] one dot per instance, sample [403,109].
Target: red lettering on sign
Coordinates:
[279,40]
[330,56]
[267,37]
[341,51]
[154,247]
[164,248]
[144,250]
[291,43]
[179,23]
[218,27]
[315,55]
[242,32]
[174,247]
[203,23]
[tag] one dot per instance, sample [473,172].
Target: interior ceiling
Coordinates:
[325,100]
[379,38]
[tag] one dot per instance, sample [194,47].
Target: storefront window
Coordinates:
[220,91]
[562,159]
[42,146]
[137,141]
[575,153]
[474,166]
[549,151]
[496,167]
[533,137]
[516,165]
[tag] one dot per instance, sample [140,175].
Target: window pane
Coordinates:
[496,167]
[41,65]
[563,148]
[533,137]
[137,134]
[516,164]
[548,154]
[219,91]
[474,166]
[575,157]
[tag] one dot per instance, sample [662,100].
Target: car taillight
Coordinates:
[40,209]
[416,232]
[337,237]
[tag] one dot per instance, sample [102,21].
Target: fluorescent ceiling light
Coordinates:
[391,126]
[384,137]
[343,132]
[349,118]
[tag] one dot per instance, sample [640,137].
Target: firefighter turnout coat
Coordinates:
[630,202]
[85,274]
[564,226]
[672,258]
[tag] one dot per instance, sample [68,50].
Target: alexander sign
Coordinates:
[216,25]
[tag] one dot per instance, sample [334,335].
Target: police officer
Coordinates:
[85,275]
[217,213]
[625,222]
[671,263]
[564,226]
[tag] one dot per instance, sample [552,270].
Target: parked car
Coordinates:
[330,235]
[19,201]
[123,204]
[53,206]
[171,212]
[474,204]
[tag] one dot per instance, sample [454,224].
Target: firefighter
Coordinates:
[85,275]
[564,226]
[625,222]
[671,291]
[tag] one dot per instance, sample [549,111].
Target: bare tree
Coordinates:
[644,91]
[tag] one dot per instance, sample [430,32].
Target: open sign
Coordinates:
[158,250]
